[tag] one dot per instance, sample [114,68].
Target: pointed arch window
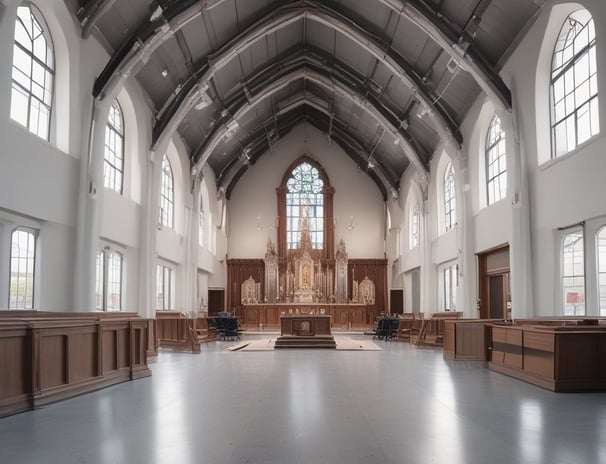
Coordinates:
[305,196]
[113,167]
[496,162]
[305,189]
[574,85]
[450,213]
[414,226]
[22,266]
[167,194]
[33,72]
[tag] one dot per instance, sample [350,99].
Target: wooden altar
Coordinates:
[306,325]
[344,316]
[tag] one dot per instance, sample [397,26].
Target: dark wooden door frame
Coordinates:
[484,280]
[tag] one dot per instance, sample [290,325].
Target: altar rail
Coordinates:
[48,356]
[343,316]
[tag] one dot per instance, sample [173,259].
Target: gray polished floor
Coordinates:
[399,405]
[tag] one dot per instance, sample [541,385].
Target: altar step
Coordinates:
[304,341]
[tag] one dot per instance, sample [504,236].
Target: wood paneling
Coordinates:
[53,356]
[559,358]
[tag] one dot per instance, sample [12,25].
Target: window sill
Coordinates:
[553,161]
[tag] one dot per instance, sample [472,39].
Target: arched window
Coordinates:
[305,197]
[413,226]
[573,274]
[108,282]
[496,162]
[167,194]
[113,167]
[450,213]
[201,227]
[574,85]
[33,72]
[164,288]
[22,265]
[602,269]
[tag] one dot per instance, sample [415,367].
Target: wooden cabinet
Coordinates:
[467,339]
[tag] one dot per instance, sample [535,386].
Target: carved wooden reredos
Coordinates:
[303,267]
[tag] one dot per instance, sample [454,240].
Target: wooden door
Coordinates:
[493,289]
[396,301]
[496,297]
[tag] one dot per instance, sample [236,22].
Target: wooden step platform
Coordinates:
[305,341]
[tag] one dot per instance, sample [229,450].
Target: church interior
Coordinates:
[194,193]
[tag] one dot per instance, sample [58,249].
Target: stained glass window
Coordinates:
[305,198]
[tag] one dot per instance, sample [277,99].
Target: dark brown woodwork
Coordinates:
[175,330]
[493,283]
[344,316]
[396,301]
[46,357]
[555,357]
[305,325]
[216,301]
[238,270]
[376,270]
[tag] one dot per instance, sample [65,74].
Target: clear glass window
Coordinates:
[100,280]
[450,213]
[573,274]
[602,269]
[32,72]
[574,89]
[167,194]
[114,282]
[413,229]
[113,167]
[201,227]
[496,162]
[22,265]
[450,282]
[164,276]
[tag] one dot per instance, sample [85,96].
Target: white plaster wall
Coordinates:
[355,195]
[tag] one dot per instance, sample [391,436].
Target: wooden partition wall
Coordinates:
[46,357]
[238,270]
[376,270]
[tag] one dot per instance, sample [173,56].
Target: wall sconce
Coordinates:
[259,226]
[351,225]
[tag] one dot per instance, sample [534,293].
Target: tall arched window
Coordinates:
[413,226]
[167,194]
[450,212]
[602,269]
[305,190]
[496,162]
[574,85]
[201,226]
[22,265]
[573,274]
[113,167]
[33,72]
[305,197]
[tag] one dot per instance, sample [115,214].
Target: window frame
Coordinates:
[47,65]
[165,271]
[495,155]
[450,197]
[559,73]
[34,234]
[167,194]
[103,282]
[414,225]
[118,134]
[449,281]
[564,275]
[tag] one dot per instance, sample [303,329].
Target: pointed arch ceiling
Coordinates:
[390,81]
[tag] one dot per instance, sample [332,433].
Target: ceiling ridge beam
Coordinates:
[202,152]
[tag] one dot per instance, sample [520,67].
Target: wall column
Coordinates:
[521,280]
[90,209]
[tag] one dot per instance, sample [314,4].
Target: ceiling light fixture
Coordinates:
[164,72]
